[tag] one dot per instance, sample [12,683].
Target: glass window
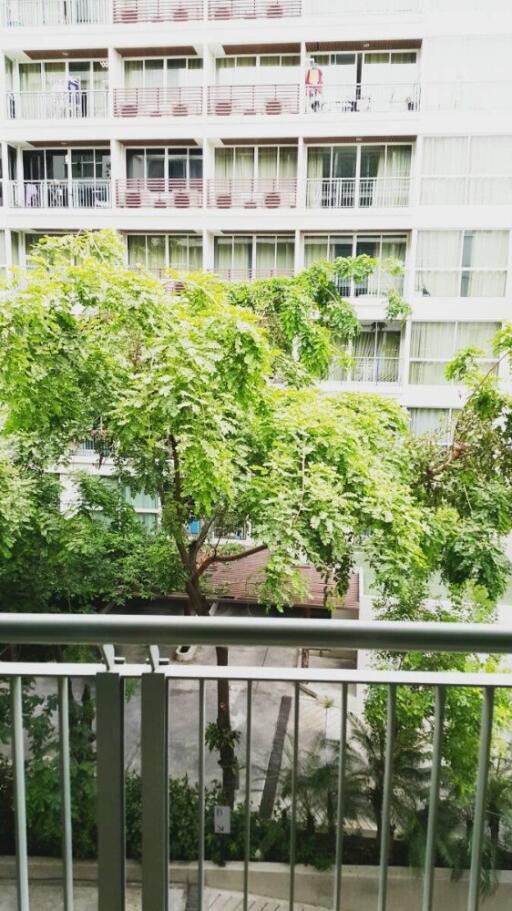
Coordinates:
[462,263]
[433,345]
[403,57]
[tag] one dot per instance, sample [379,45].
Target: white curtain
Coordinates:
[438,263]
[486,251]
[156,253]
[265,256]
[477,335]
[267,163]
[429,420]
[315,250]
[133,74]
[287,163]
[137,250]
[432,345]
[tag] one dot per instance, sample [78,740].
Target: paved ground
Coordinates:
[45,897]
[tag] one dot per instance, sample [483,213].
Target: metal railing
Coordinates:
[159,193]
[363,98]
[253,9]
[226,100]
[32,13]
[57,105]
[172,101]
[109,680]
[127,11]
[368,370]
[60,194]
[252,193]
[252,274]
[375,285]
[365,193]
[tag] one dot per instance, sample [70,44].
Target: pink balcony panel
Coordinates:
[159,193]
[226,100]
[265,193]
[253,9]
[158,102]
[129,11]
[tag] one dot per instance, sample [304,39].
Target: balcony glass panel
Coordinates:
[433,345]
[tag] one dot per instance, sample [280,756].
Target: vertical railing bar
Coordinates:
[155,788]
[341,797]
[110,791]
[293,825]
[248,739]
[200,802]
[20,811]
[433,802]
[480,799]
[65,784]
[386,799]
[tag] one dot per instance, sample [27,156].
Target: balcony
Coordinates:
[131,11]
[258,690]
[253,9]
[363,98]
[34,13]
[274,100]
[350,193]
[60,194]
[57,105]
[369,370]
[250,274]
[252,193]
[378,284]
[158,102]
[159,193]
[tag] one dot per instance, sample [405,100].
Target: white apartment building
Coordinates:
[253,137]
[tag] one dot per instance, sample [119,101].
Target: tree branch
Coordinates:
[228,558]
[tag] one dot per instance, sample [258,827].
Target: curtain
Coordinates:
[438,263]
[287,163]
[224,163]
[315,250]
[486,251]
[478,335]
[443,169]
[195,253]
[265,257]
[432,340]
[319,161]
[267,163]
[133,74]
[156,253]
[137,250]
[285,257]
[153,73]
[428,420]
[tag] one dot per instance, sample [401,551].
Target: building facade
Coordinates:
[253,137]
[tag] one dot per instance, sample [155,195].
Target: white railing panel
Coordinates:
[30,13]
[57,105]
[60,194]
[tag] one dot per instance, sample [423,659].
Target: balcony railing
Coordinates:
[129,11]
[368,370]
[226,100]
[252,193]
[365,193]
[158,102]
[253,9]
[250,274]
[375,285]
[363,98]
[60,194]
[57,105]
[34,13]
[108,682]
[159,193]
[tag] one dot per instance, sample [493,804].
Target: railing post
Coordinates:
[155,792]
[20,813]
[110,791]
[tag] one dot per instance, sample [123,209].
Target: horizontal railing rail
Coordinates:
[159,193]
[172,101]
[32,13]
[73,629]
[226,100]
[253,9]
[57,105]
[368,370]
[378,284]
[60,194]
[363,98]
[155,677]
[251,274]
[363,193]
[252,193]
[129,11]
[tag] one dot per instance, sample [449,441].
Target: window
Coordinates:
[240,61]
[262,256]
[158,72]
[439,421]
[376,357]
[467,170]
[383,247]
[462,263]
[179,164]
[244,162]
[145,505]
[159,252]
[434,344]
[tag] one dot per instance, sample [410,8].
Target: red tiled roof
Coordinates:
[240,582]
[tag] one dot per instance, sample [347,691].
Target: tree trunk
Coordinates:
[228,761]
